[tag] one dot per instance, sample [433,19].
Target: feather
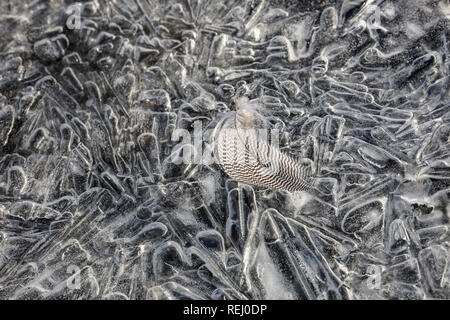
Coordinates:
[244,153]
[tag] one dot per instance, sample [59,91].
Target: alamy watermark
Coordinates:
[74,281]
[73,21]
[241,145]
[373,280]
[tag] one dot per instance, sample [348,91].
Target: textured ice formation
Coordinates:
[107,185]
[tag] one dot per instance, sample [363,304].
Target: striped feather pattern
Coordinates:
[248,158]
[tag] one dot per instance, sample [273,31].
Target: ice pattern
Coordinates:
[96,202]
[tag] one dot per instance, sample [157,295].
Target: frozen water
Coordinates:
[108,188]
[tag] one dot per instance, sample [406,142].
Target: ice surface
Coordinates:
[102,103]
